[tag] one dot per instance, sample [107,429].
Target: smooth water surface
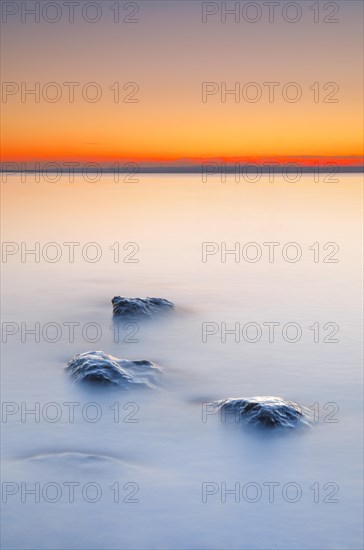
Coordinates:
[161,446]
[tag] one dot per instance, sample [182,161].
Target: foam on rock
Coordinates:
[100,368]
[267,411]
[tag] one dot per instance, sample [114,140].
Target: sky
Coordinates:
[159,82]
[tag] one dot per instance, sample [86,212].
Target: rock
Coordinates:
[73,458]
[267,411]
[139,307]
[100,368]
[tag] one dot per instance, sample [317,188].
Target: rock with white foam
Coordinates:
[97,367]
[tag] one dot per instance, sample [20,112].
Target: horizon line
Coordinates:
[231,169]
[248,164]
[185,162]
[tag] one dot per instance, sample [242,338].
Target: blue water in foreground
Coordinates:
[153,469]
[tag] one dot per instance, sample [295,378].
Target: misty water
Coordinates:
[153,469]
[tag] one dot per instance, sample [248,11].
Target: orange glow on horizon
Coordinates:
[165,161]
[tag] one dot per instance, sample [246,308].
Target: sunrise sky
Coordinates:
[169,54]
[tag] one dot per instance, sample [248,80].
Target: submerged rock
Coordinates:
[139,307]
[73,458]
[103,369]
[267,411]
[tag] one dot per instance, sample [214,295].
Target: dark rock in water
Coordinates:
[103,369]
[139,307]
[271,412]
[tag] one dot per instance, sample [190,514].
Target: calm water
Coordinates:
[158,451]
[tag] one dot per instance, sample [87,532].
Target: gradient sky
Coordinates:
[169,53]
